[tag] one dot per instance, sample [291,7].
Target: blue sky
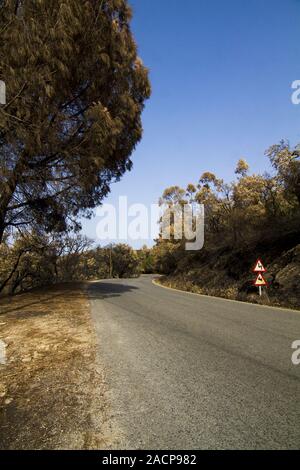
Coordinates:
[221,74]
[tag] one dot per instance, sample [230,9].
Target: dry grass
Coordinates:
[52,391]
[230,292]
[227,273]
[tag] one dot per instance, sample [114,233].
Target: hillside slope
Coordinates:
[228,273]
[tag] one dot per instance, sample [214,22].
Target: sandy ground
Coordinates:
[52,386]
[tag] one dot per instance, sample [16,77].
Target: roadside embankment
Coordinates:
[228,274]
[52,390]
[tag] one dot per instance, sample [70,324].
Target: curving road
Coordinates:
[192,372]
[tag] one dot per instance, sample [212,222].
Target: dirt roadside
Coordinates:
[53,393]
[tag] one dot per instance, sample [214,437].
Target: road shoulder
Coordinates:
[52,387]
[156,282]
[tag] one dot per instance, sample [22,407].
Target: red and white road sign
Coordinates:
[259,267]
[260,281]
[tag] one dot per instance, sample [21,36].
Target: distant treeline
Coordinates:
[34,260]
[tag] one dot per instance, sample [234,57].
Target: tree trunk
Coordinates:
[8,190]
[2,228]
[14,268]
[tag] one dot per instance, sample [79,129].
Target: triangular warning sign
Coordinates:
[260,281]
[259,267]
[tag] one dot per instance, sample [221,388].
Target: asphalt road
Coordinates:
[192,372]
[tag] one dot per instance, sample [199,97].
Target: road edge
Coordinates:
[287,309]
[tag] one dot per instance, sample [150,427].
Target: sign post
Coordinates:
[260,281]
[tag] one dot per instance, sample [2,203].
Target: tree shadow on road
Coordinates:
[104,290]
